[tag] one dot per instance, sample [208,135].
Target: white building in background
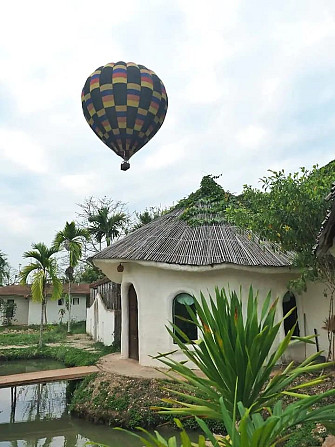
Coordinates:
[103,321]
[21,310]
[162,264]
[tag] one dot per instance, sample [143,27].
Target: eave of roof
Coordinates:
[18,290]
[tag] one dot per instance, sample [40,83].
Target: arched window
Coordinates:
[289,303]
[179,309]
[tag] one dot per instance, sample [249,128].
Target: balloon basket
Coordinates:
[125,166]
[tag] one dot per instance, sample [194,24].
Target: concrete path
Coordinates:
[47,376]
[113,363]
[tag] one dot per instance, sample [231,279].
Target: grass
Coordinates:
[68,355]
[29,335]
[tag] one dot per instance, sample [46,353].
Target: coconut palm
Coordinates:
[106,226]
[4,268]
[43,270]
[70,239]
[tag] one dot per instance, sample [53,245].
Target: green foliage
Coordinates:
[156,440]
[147,216]
[255,430]
[66,354]
[208,204]
[305,436]
[52,334]
[7,311]
[70,239]
[29,339]
[106,226]
[236,354]
[127,402]
[43,270]
[287,210]
[4,268]
[88,274]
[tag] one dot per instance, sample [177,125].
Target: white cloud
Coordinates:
[166,156]
[16,220]
[19,148]
[251,136]
[79,184]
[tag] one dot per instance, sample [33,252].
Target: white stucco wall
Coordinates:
[100,322]
[315,306]
[21,311]
[156,287]
[78,311]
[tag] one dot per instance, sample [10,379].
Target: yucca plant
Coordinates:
[252,430]
[236,346]
[156,440]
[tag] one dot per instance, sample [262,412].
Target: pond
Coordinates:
[37,415]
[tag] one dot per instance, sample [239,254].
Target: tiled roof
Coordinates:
[18,290]
[327,233]
[168,239]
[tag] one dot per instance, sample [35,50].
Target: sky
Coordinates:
[251,87]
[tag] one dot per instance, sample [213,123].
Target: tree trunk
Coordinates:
[69,319]
[40,343]
[45,312]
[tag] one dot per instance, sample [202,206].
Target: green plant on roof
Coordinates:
[207,205]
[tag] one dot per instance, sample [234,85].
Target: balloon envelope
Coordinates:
[125,104]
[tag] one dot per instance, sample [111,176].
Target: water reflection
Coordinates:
[33,402]
[37,415]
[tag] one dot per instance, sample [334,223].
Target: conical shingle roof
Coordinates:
[169,239]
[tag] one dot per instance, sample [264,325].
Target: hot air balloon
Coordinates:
[125,104]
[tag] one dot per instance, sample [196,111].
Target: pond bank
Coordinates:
[115,400]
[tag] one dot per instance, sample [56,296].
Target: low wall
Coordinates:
[100,322]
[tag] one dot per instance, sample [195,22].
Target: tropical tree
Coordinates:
[43,272]
[288,210]
[4,268]
[106,226]
[88,273]
[147,216]
[70,239]
[104,218]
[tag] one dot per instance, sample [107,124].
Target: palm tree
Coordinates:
[71,239]
[4,268]
[43,269]
[106,226]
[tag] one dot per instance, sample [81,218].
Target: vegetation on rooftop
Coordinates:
[207,205]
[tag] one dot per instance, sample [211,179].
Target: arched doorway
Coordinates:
[133,323]
[289,303]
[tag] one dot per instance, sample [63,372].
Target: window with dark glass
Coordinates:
[75,301]
[289,302]
[60,302]
[179,309]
